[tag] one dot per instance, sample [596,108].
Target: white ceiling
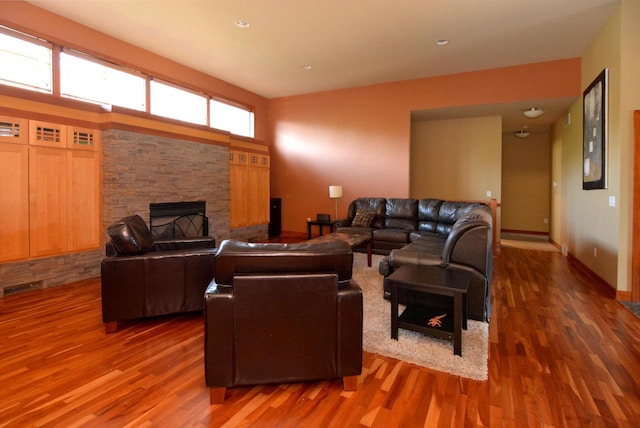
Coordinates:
[348,42]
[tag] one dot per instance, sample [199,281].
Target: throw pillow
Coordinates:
[363,218]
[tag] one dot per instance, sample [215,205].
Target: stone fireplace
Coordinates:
[141,169]
[186,219]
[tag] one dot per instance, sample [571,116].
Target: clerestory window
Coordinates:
[25,61]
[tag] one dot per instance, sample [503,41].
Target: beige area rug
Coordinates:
[412,347]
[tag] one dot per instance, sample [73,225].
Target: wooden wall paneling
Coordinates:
[84,216]
[47,134]
[264,190]
[635,239]
[84,185]
[47,200]
[250,189]
[14,130]
[14,201]
[238,175]
[253,188]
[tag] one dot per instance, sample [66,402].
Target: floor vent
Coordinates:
[13,289]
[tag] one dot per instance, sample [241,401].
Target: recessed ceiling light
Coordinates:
[242,24]
[307,66]
[442,42]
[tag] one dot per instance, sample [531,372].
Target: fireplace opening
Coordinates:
[170,220]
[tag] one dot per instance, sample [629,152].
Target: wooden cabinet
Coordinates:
[47,200]
[14,189]
[249,179]
[50,189]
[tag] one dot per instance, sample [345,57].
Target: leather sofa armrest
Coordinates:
[184,244]
[343,222]
[218,335]
[384,268]
[350,328]
[470,243]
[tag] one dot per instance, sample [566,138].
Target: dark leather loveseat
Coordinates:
[142,277]
[431,232]
[282,313]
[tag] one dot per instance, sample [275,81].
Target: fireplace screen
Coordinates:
[178,219]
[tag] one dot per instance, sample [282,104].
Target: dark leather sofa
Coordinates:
[143,278]
[282,313]
[432,232]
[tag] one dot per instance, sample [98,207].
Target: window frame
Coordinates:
[239,106]
[58,49]
[181,88]
[29,38]
[107,64]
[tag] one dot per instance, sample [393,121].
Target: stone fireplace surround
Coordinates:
[139,169]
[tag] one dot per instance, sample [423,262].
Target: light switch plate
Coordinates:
[612,201]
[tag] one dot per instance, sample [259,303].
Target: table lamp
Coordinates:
[335,192]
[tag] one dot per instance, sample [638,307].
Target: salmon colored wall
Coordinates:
[360,137]
[33,20]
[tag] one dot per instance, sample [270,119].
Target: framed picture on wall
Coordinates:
[594,134]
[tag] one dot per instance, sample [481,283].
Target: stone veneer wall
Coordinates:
[139,169]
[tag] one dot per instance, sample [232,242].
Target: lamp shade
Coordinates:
[335,192]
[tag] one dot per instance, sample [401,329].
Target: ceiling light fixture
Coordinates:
[442,42]
[523,133]
[242,24]
[307,67]
[533,112]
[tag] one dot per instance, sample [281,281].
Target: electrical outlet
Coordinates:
[488,193]
[546,221]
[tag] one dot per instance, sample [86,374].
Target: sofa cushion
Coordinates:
[450,212]
[401,213]
[130,235]
[428,210]
[391,235]
[363,218]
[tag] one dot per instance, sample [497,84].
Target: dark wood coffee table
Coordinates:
[423,317]
[352,239]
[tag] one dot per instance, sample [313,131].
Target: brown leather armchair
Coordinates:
[143,278]
[282,313]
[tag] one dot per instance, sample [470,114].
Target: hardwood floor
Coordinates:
[562,353]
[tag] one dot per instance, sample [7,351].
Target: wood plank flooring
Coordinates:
[562,353]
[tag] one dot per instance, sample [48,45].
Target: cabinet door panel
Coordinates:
[238,208]
[47,134]
[264,195]
[84,215]
[48,200]
[13,130]
[14,201]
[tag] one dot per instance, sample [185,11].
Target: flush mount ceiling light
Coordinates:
[242,24]
[307,67]
[523,133]
[533,112]
[442,42]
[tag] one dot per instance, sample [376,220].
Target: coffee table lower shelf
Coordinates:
[416,318]
[430,281]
